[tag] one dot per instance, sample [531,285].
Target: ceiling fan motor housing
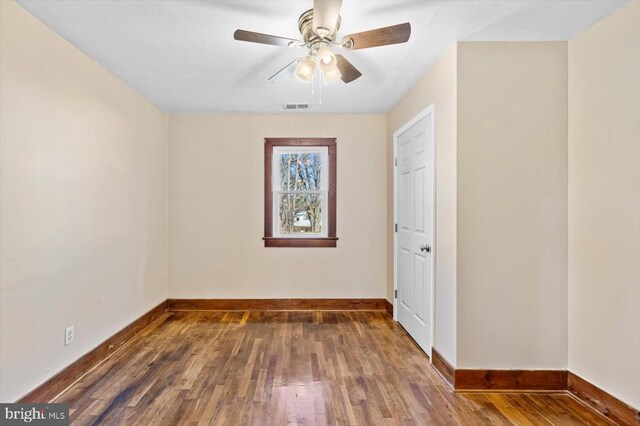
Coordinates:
[313,40]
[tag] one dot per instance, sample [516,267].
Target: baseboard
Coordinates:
[498,380]
[277,304]
[603,402]
[443,367]
[65,378]
[389,307]
[462,380]
[510,380]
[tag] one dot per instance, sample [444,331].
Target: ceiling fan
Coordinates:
[318,27]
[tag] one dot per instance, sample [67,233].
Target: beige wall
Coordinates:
[83,202]
[501,180]
[512,205]
[216,210]
[437,87]
[604,204]
[84,197]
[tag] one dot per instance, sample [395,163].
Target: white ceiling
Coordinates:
[181,55]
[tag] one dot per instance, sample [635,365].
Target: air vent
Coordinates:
[295,106]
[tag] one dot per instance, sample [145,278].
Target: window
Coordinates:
[300,192]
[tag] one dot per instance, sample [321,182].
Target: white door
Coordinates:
[415,229]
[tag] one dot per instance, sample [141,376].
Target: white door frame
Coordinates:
[434,248]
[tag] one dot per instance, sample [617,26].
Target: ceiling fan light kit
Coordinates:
[318,28]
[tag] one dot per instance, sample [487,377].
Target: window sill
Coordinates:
[300,242]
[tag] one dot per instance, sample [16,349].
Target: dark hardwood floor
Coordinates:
[242,368]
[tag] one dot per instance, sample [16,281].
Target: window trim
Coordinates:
[269,240]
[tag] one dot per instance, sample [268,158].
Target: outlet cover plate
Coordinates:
[68,336]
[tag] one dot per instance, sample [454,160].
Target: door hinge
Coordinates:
[396,294]
[395,227]
[395,161]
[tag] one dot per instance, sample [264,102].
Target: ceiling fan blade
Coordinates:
[348,72]
[325,16]
[380,37]
[252,37]
[286,72]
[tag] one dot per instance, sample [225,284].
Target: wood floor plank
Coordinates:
[269,367]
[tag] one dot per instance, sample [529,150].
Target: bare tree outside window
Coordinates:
[300,202]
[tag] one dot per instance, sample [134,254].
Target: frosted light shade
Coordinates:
[331,75]
[304,70]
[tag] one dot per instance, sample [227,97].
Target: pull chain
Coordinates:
[313,79]
[313,83]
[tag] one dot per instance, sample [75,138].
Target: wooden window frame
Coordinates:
[269,240]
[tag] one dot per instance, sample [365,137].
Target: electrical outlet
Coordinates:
[68,336]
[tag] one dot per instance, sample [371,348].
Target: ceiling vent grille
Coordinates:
[295,106]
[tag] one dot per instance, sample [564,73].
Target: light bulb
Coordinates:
[304,70]
[331,75]
[327,59]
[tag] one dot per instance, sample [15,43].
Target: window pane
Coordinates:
[300,171]
[300,213]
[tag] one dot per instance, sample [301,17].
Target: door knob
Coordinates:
[425,247]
